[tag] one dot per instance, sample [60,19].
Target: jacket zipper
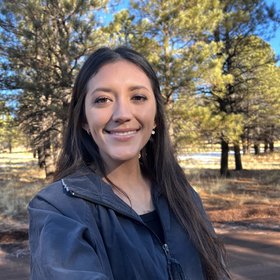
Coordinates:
[164,246]
[167,254]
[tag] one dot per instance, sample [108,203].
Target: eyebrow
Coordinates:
[137,87]
[104,89]
[101,89]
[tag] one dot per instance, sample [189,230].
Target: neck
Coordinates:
[134,188]
[126,174]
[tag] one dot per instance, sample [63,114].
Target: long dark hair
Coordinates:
[158,160]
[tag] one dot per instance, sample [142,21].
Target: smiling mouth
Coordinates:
[122,133]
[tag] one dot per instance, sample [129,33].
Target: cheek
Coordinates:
[96,119]
[153,113]
[150,120]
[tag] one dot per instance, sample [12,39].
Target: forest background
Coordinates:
[219,76]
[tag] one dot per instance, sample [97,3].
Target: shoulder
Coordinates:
[199,204]
[50,194]
[55,198]
[196,197]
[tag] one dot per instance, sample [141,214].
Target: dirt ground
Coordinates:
[252,253]
[251,234]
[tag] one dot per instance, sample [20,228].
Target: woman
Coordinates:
[120,206]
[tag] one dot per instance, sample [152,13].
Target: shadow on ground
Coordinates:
[253,254]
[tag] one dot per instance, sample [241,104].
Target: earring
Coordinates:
[153,132]
[88,132]
[139,155]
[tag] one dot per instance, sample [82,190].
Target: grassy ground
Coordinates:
[20,179]
[248,196]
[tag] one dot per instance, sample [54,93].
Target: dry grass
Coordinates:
[253,193]
[247,196]
[20,179]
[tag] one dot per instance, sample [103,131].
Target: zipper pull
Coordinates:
[67,189]
[166,250]
[167,254]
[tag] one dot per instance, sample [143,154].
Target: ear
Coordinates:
[86,127]
[155,125]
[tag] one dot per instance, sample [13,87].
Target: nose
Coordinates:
[122,111]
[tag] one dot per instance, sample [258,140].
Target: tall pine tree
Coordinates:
[44,43]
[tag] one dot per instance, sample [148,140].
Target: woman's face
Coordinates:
[120,110]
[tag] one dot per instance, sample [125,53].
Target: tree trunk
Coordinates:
[41,158]
[237,157]
[245,143]
[224,158]
[49,164]
[56,145]
[257,148]
[271,146]
[10,147]
[245,146]
[265,146]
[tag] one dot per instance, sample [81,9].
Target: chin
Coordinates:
[125,158]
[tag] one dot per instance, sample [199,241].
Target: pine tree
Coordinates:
[241,20]
[172,35]
[44,43]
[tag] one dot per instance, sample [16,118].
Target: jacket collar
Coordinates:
[89,186]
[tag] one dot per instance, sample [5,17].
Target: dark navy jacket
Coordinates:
[79,229]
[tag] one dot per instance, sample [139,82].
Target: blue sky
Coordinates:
[275,41]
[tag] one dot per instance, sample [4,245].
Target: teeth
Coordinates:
[124,133]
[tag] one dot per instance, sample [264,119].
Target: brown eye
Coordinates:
[102,100]
[139,97]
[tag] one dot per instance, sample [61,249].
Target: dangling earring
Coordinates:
[88,132]
[139,155]
[153,132]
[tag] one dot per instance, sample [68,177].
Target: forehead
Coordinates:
[120,71]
